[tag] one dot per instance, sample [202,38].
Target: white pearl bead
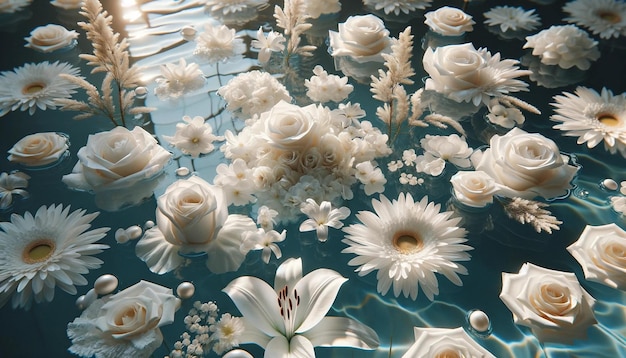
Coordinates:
[80,302]
[185,290]
[479,321]
[105,284]
[609,184]
[182,171]
[238,353]
[121,236]
[149,224]
[134,232]
[90,297]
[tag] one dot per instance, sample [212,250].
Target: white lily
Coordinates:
[289,319]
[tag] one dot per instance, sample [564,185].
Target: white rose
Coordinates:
[190,213]
[601,251]
[39,149]
[124,324]
[288,126]
[363,38]
[444,342]
[51,38]
[117,159]
[527,165]
[449,21]
[551,303]
[473,188]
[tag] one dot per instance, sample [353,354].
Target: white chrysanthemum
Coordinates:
[323,87]
[227,334]
[253,92]
[512,18]
[12,6]
[593,117]
[51,248]
[35,85]
[218,43]
[564,45]
[316,8]
[397,6]
[194,137]
[178,80]
[606,18]
[407,242]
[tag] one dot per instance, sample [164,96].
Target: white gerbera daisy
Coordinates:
[35,85]
[593,117]
[606,18]
[49,249]
[512,18]
[407,242]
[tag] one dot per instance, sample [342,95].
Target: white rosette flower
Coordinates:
[451,148]
[192,217]
[51,38]
[449,21]
[117,159]
[124,324]
[601,251]
[564,45]
[473,188]
[527,165]
[288,126]
[551,303]
[465,74]
[253,92]
[363,38]
[445,342]
[39,149]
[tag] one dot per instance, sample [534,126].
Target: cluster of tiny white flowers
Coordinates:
[323,169]
[205,332]
[323,87]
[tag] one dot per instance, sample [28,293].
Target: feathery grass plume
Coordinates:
[110,55]
[292,18]
[510,101]
[530,212]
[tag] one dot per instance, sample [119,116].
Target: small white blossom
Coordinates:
[394,165]
[409,157]
[273,42]
[408,179]
[325,88]
[372,177]
[265,217]
[321,217]
[194,137]
[429,164]
[12,184]
[265,241]
[452,148]
[218,44]
[179,80]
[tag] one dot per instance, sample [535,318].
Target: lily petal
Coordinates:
[288,273]
[297,347]
[342,332]
[318,290]
[257,301]
[251,334]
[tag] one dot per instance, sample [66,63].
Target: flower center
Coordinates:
[38,251]
[407,242]
[195,140]
[608,119]
[609,16]
[288,302]
[447,353]
[32,88]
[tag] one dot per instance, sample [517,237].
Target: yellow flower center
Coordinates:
[407,242]
[32,88]
[609,16]
[38,251]
[447,353]
[608,119]
[195,140]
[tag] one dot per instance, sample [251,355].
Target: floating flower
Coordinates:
[124,324]
[397,6]
[593,117]
[289,319]
[253,92]
[449,21]
[551,303]
[194,137]
[321,217]
[13,6]
[445,342]
[51,38]
[12,184]
[35,86]
[511,18]
[465,74]
[273,42]
[179,80]
[323,87]
[52,248]
[363,38]
[451,148]
[39,149]
[218,44]
[407,242]
[316,8]
[601,251]
[372,177]
[619,204]
[527,165]
[227,334]
[226,7]
[505,117]
[192,217]
[117,159]
[473,188]
[564,45]
[264,240]
[606,18]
